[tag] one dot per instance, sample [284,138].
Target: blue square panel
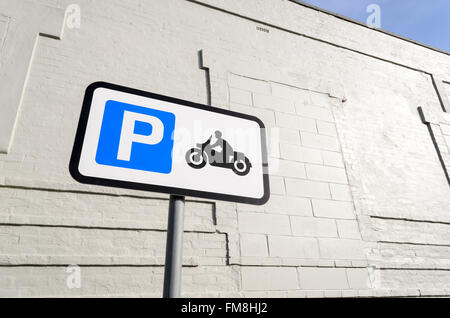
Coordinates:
[136,137]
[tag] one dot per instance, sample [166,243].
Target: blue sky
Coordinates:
[425,21]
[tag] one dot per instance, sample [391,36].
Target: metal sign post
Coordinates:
[174,248]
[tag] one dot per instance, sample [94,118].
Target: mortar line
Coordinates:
[308,36]
[407,219]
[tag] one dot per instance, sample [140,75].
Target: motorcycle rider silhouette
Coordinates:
[220,149]
[218,152]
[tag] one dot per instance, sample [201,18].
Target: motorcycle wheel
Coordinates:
[241,167]
[195,159]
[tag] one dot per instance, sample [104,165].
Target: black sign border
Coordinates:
[81,130]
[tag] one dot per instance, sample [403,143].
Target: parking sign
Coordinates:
[134,139]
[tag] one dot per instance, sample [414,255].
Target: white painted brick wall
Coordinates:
[295,122]
[289,136]
[306,188]
[358,183]
[298,153]
[326,128]
[264,223]
[312,226]
[348,229]
[240,96]
[340,192]
[314,112]
[358,278]
[331,158]
[319,141]
[273,103]
[332,248]
[269,278]
[333,209]
[254,245]
[328,174]
[291,169]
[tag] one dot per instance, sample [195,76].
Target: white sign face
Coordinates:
[139,140]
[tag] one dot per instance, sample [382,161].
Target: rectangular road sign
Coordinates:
[134,139]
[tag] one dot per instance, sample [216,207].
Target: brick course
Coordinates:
[358,194]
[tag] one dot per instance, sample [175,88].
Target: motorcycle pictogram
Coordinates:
[218,153]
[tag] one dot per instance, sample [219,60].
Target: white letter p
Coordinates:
[127,135]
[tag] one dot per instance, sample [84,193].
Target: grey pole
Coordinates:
[174,248]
